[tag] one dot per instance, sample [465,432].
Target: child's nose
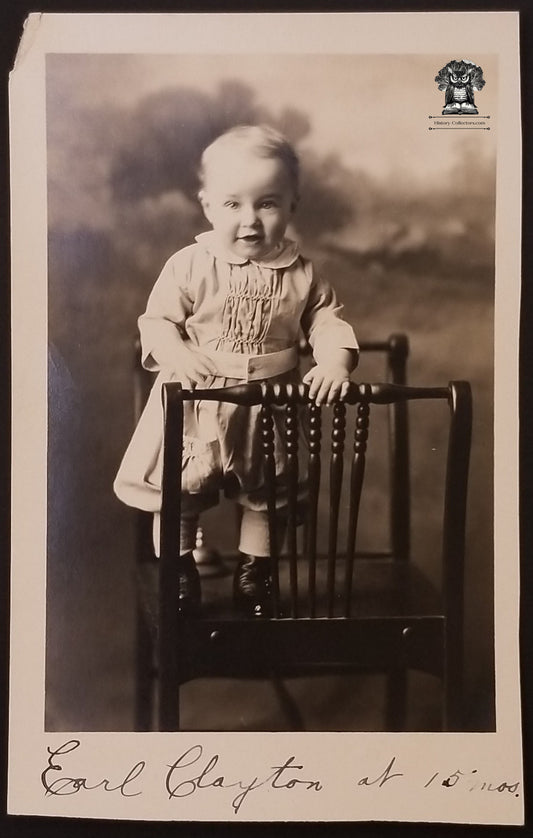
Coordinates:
[249,216]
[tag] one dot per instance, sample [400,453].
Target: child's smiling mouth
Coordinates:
[253,238]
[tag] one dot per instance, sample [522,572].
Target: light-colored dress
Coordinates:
[226,306]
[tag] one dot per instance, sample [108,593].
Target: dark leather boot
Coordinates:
[252,587]
[190,593]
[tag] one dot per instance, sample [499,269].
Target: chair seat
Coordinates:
[220,642]
[382,587]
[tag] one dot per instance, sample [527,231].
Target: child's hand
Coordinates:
[192,367]
[327,383]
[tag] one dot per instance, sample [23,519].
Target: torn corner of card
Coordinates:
[31,27]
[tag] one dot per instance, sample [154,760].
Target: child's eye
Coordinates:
[268,204]
[231,204]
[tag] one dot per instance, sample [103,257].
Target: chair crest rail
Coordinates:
[264,393]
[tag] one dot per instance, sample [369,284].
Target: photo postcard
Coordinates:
[273,190]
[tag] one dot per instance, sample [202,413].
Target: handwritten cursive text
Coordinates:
[64,785]
[280,778]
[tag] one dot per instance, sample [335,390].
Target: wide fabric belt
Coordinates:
[253,367]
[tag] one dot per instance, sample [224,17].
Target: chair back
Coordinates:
[304,597]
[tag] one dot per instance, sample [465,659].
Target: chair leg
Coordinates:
[168,701]
[453,703]
[143,676]
[396,700]
[288,704]
[453,709]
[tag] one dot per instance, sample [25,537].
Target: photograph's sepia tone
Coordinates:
[399,221]
[265,300]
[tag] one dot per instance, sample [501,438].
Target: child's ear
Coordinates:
[202,197]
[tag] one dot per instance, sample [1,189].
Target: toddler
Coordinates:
[227,310]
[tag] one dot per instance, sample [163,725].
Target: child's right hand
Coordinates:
[191,366]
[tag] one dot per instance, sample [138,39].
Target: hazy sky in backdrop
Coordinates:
[125,133]
[372,110]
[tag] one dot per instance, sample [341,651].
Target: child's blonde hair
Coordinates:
[260,140]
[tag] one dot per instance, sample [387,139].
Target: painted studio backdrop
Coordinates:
[400,219]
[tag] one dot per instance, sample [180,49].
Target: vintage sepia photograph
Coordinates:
[271,493]
[396,223]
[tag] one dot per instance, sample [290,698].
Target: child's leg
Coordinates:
[189,595]
[252,585]
[188,528]
[254,538]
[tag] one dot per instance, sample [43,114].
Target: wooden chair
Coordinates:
[382,616]
[393,353]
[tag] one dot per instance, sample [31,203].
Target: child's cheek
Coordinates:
[278,229]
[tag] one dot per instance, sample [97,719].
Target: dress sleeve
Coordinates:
[169,305]
[322,321]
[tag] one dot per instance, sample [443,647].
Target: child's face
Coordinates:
[249,201]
